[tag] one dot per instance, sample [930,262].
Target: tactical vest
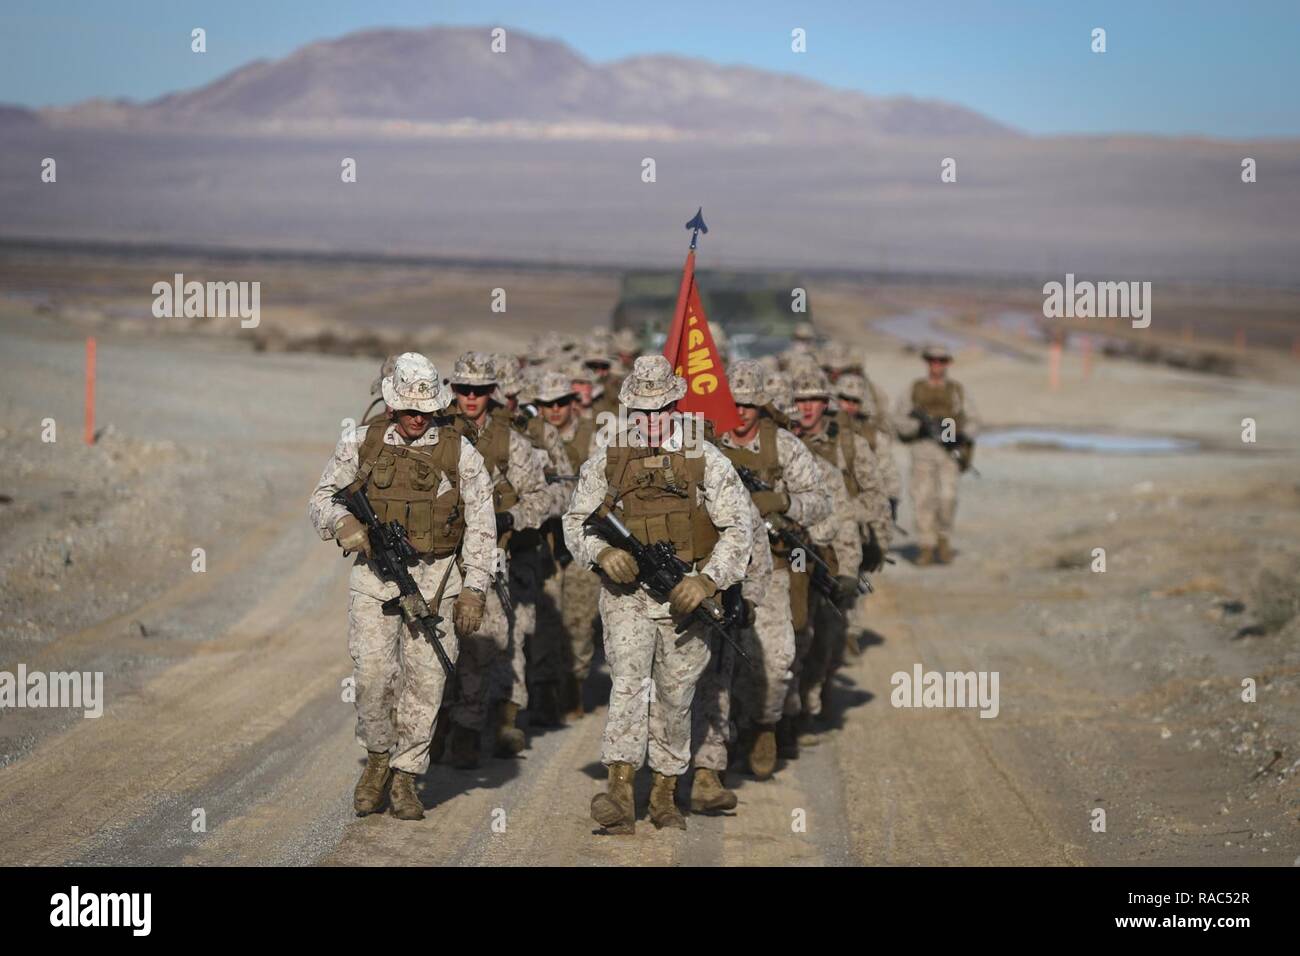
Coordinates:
[494,445]
[402,483]
[577,448]
[941,401]
[842,437]
[861,424]
[766,462]
[659,494]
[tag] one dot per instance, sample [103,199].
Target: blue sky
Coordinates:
[1229,69]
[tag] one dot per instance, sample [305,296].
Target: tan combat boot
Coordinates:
[925,557]
[615,810]
[944,551]
[762,752]
[708,795]
[663,806]
[371,789]
[462,750]
[510,739]
[787,739]
[405,804]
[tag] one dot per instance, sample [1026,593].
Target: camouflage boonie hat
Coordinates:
[811,382]
[835,357]
[651,384]
[509,377]
[552,387]
[626,340]
[777,387]
[477,368]
[597,350]
[474,368]
[578,372]
[852,387]
[746,381]
[935,350]
[415,384]
[385,370]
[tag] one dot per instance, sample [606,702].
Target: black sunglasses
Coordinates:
[559,402]
[478,391]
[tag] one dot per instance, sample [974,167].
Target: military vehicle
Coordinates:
[752,308]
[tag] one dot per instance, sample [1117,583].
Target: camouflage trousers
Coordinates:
[711,708]
[828,633]
[802,604]
[399,679]
[523,578]
[761,691]
[483,673]
[934,492]
[568,618]
[655,671]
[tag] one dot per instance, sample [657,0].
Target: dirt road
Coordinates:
[225,688]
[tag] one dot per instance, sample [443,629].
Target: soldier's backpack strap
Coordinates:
[848,448]
[368,452]
[617,459]
[769,455]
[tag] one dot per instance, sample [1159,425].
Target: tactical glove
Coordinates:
[769,502]
[619,566]
[690,592]
[467,612]
[352,535]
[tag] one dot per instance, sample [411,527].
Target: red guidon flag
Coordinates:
[695,357]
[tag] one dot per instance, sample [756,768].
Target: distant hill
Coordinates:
[405,80]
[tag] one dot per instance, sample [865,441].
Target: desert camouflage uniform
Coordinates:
[399,680]
[654,668]
[487,671]
[934,475]
[574,590]
[762,693]
[711,719]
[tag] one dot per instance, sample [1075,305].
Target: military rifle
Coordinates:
[660,570]
[959,448]
[780,528]
[390,549]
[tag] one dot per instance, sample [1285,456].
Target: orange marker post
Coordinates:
[1054,365]
[1087,355]
[90,390]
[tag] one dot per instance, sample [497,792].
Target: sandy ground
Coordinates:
[1120,690]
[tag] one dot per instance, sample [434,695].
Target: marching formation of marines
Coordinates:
[553,503]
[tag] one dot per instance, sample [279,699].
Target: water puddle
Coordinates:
[1057,439]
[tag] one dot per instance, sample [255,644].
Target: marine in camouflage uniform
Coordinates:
[798,496]
[521,500]
[858,412]
[549,654]
[868,509]
[436,485]
[535,659]
[605,384]
[934,472]
[692,498]
[572,589]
